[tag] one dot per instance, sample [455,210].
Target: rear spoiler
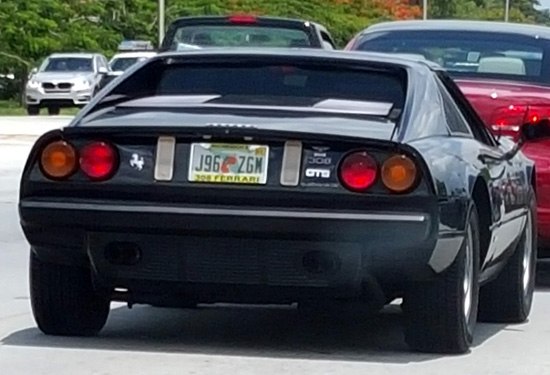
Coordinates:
[327,106]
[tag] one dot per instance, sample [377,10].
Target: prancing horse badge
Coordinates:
[137,162]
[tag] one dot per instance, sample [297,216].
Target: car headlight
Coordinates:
[33,84]
[82,84]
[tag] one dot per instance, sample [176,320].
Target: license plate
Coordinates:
[228,163]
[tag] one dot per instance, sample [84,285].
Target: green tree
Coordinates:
[32,29]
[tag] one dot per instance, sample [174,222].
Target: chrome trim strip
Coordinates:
[366,108]
[292,163]
[389,217]
[164,163]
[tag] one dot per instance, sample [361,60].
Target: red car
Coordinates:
[502,68]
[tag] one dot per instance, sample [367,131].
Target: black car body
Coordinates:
[381,182]
[245,31]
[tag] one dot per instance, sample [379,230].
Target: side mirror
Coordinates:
[539,130]
[102,70]
[530,131]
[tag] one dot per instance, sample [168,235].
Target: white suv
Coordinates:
[64,80]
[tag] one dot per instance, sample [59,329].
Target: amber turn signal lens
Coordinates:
[58,160]
[399,173]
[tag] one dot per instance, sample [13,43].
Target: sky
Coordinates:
[545,3]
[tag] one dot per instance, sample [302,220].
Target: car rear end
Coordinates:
[501,69]
[241,31]
[185,197]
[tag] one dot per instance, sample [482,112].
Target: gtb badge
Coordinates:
[318,173]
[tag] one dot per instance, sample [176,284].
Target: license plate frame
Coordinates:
[221,154]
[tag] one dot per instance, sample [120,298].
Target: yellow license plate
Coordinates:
[228,163]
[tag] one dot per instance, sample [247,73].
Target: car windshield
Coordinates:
[122,63]
[239,36]
[68,64]
[466,53]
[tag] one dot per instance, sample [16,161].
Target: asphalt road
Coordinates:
[231,340]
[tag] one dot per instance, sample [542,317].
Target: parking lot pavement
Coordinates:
[229,340]
[23,128]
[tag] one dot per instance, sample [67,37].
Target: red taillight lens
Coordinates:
[536,113]
[243,19]
[358,171]
[509,120]
[98,160]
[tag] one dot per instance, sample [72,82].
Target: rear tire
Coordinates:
[441,314]
[54,111]
[33,110]
[64,301]
[508,298]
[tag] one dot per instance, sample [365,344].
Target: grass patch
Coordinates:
[11,108]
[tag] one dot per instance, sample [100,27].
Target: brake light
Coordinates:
[358,171]
[509,120]
[399,173]
[537,113]
[98,161]
[243,19]
[58,160]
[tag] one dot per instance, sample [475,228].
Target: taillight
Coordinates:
[399,173]
[536,113]
[509,120]
[98,160]
[358,171]
[243,19]
[58,160]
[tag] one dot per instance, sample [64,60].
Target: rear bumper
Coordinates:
[224,248]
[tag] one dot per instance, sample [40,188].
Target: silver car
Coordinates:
[64,80]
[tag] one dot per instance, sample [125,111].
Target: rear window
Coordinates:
[123,63]
[270,84]
[280,84]
[238,36]
[509,56]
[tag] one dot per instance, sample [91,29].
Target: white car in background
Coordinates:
[64,80]
[129,53]
[122,61]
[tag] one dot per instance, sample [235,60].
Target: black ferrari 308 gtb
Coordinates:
[281,176]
